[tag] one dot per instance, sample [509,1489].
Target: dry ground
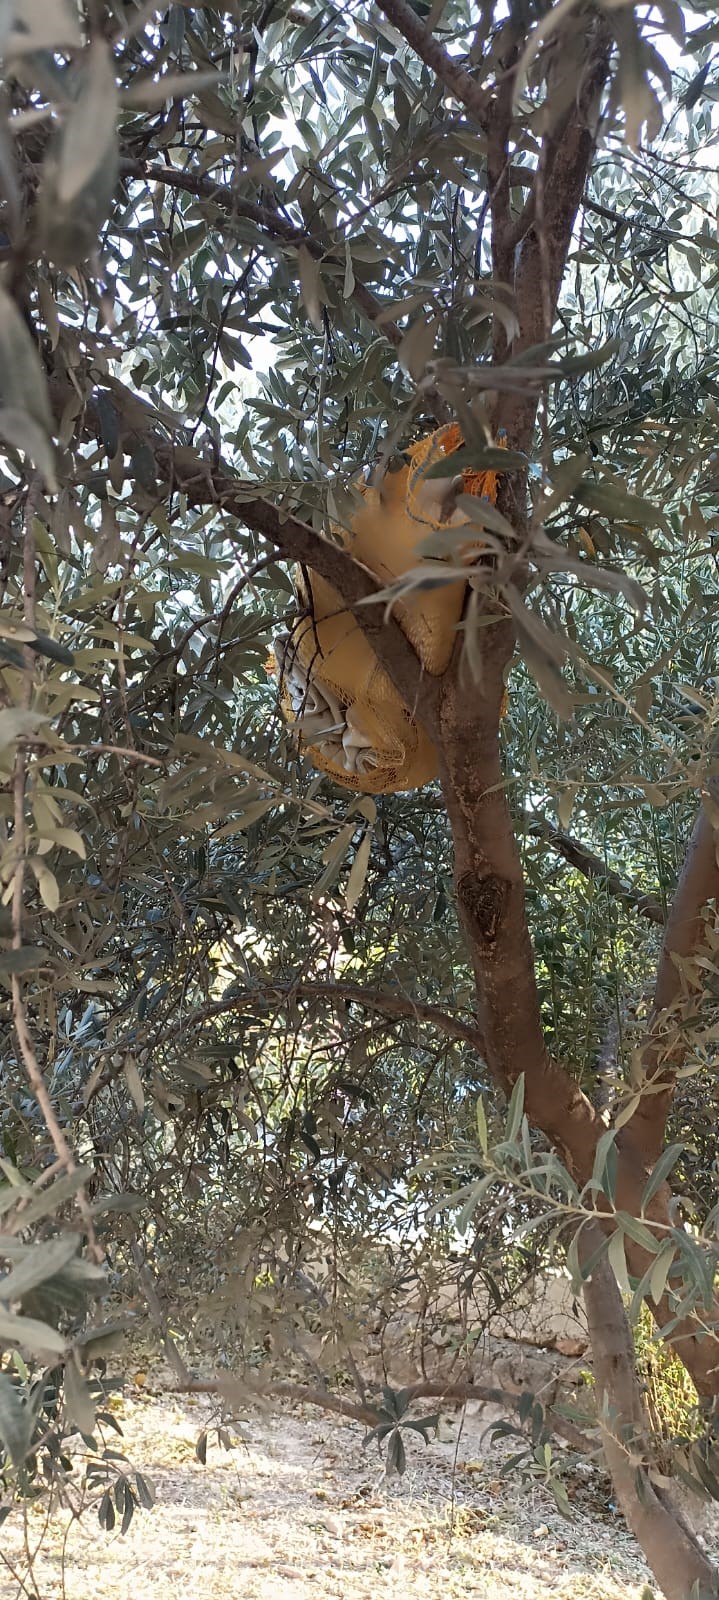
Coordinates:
[299,1510]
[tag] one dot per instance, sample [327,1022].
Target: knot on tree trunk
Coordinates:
[481,901]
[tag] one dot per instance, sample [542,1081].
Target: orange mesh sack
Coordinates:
[351,723]
[349,719]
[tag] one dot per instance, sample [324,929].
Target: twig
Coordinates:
[140,20]
[155,1309]
[118,750]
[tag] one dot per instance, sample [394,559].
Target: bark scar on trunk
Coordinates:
[482,901]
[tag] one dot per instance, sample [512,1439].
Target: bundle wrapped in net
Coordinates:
[348,718]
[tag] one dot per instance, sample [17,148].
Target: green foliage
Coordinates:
[672,1398]
[40,1420]
[392,1423]
[245,255]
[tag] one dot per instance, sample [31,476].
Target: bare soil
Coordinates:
[299,1509]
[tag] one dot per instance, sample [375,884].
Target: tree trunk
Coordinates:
[677,1560]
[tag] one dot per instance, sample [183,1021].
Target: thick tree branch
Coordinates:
[356,585]
[490,897]
[488,868]
[678,1560]
[185,470]
[558,188]
[698,884]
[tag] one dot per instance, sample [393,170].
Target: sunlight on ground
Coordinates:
[300,1511]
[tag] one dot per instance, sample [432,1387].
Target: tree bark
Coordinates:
[672,1549]
[665,1047]
[490,899]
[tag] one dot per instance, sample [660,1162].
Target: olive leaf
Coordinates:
[29,25]
[80,169]
[16,1421]
[25,416]
[543,652]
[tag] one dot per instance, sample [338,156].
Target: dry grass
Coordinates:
[299,1510]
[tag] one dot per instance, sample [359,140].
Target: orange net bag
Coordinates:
[348,718]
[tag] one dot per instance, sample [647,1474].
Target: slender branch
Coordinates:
[476,100]
[235,1391]
[138,756]
[666,1043]
[388,1005]
[279,995]
[169,1345]
[270,221]
[394,1005]
[592,866]
[212,617]
[500,195]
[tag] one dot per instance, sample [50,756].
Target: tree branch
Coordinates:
[557,192]
[678,1560]
[476,100]
[490,897]
[592,866]
[355,584]
[500,195]
[26,1045]
[666,1043]
[185,470]
[266,217]
[236,1390]
[488,868]
[388,1005]
[392,1006]
[698,884]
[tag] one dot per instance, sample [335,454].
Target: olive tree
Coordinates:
[398,216]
